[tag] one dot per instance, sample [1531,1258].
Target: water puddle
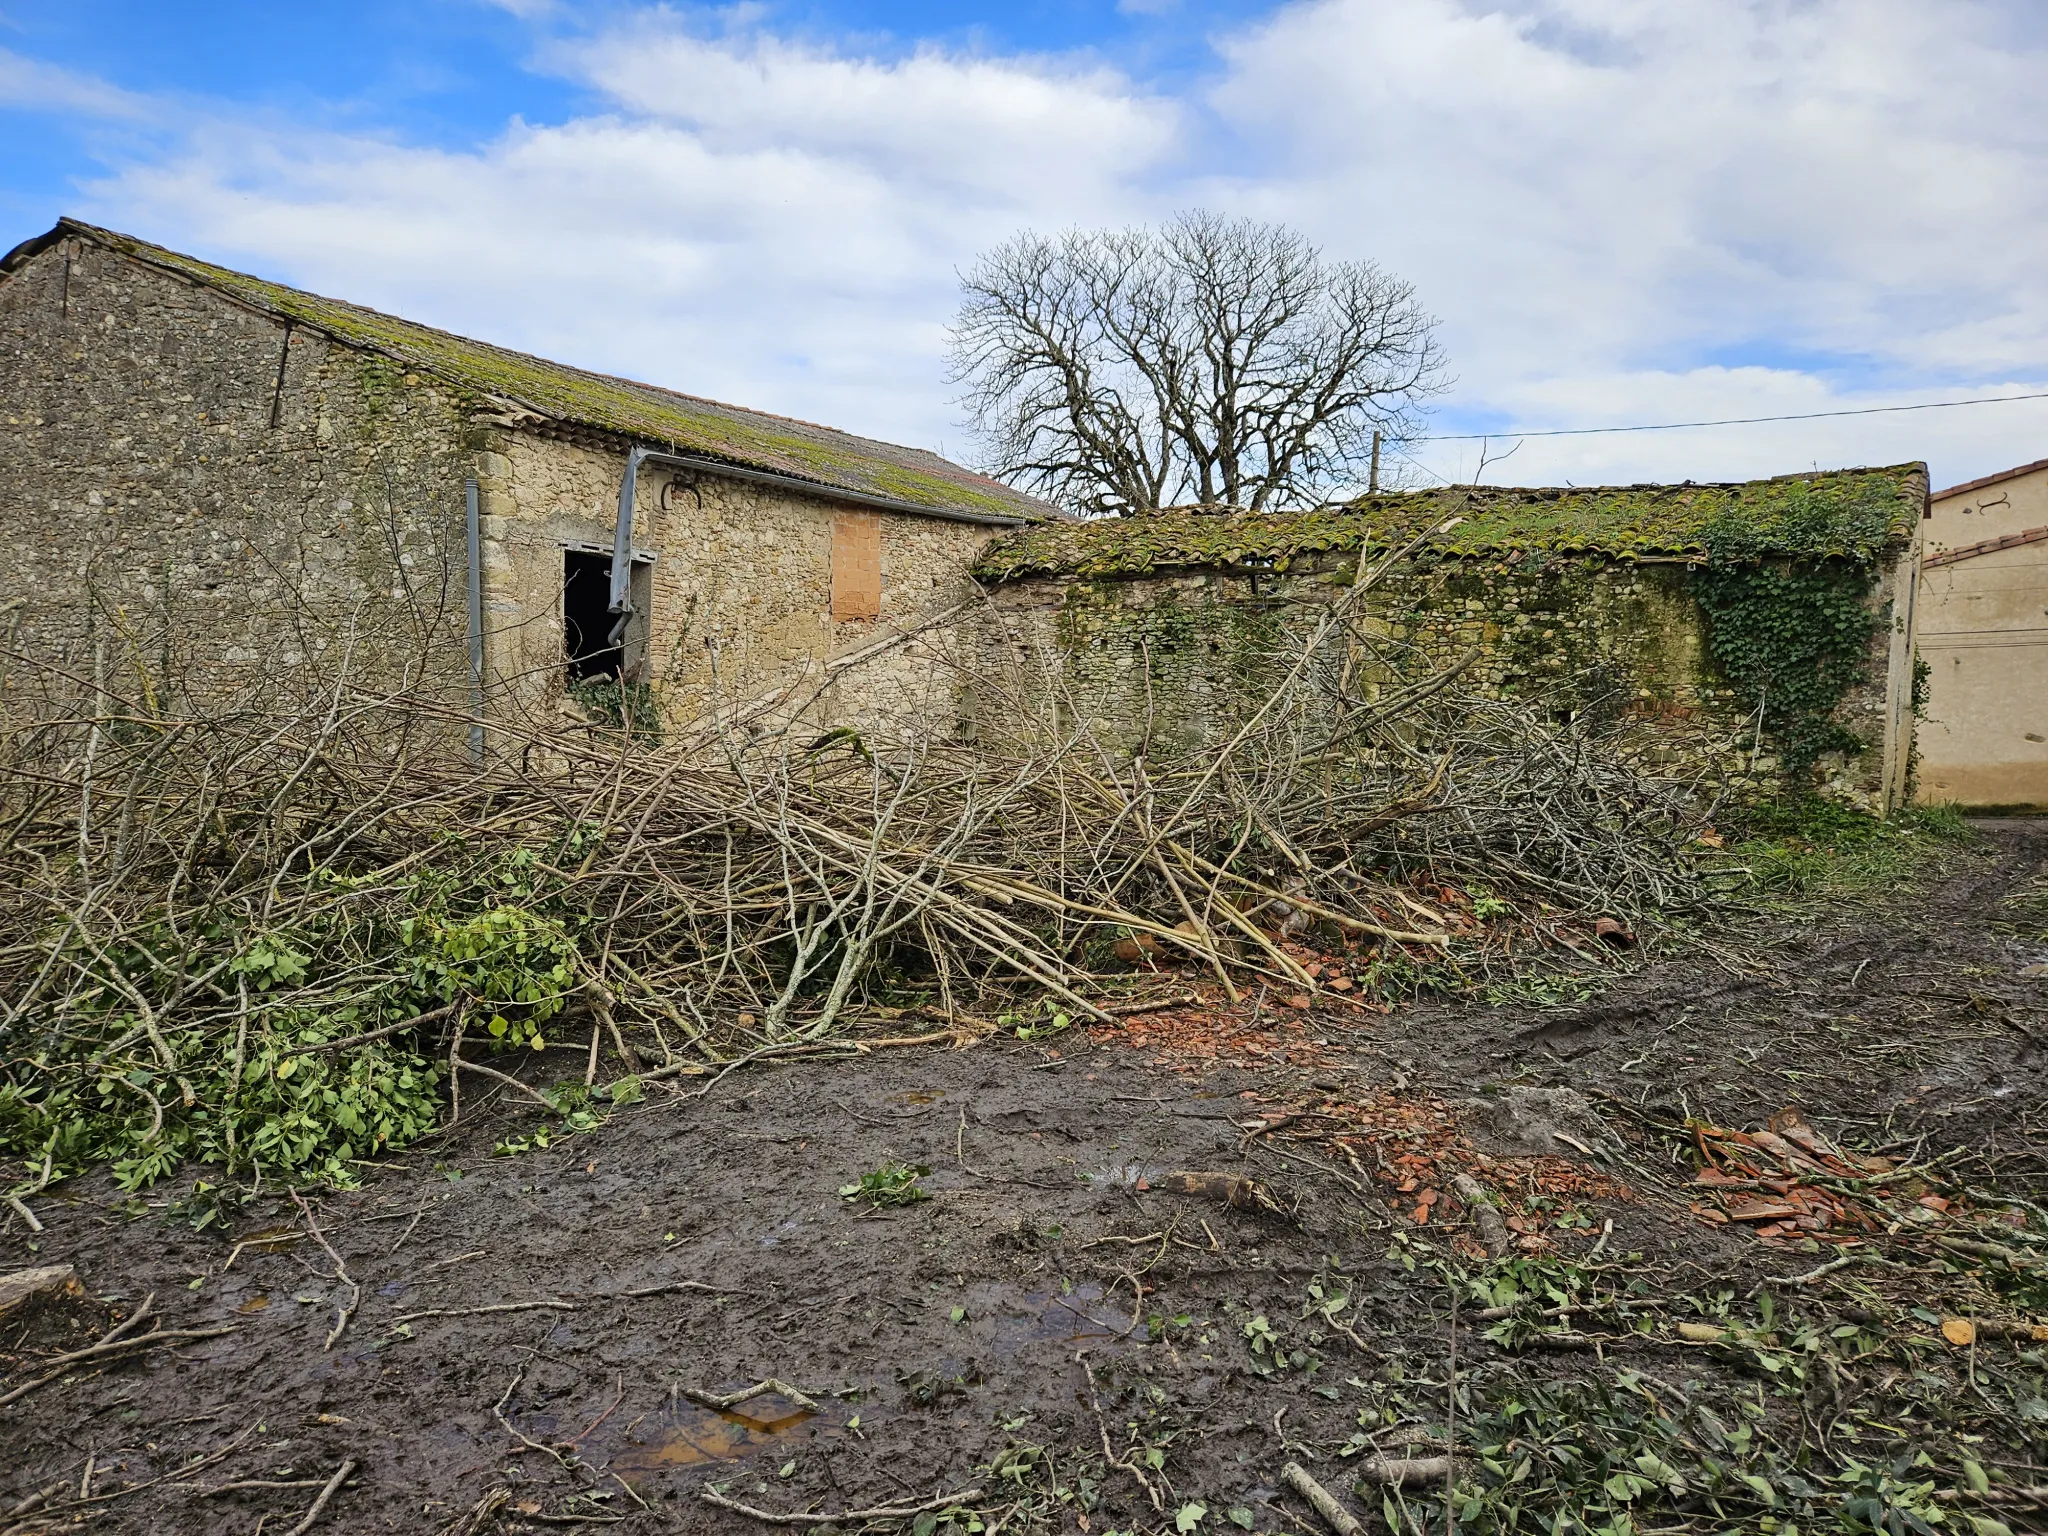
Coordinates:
[1077,1317]
[1117,1176]
[693,1437]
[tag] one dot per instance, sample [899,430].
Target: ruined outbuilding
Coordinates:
[1759,635]
[215,485]
[219,487]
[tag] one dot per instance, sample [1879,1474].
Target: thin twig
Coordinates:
[748,1394]
[109,1349]
[349,1042]
[313,1514]
[355,1292]
[463,1064]
[964,1497]
[501,1306]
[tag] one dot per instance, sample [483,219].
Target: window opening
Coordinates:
[587,617]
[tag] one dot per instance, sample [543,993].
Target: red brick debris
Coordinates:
[1411,1144]
[1793,1183]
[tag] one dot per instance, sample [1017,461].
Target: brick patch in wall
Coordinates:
[856,565]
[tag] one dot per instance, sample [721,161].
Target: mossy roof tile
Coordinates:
[1857,513]
[645,412]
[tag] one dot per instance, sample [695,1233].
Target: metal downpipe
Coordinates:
[476,621]
[622,557]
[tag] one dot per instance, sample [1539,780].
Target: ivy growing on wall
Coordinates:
[1791,636]
[629,707]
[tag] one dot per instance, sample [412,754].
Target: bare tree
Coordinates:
[1219,361]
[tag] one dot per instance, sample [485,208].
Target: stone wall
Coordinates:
[741,587]
[194,499]
[1180,654]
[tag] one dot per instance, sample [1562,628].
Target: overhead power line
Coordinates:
[1732,421]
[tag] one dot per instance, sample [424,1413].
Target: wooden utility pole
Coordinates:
[1372,478]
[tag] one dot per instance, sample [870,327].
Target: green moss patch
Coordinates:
[1852,514]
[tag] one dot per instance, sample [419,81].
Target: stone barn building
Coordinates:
[212,484]
[215,488]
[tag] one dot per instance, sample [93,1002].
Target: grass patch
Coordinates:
[1815,847]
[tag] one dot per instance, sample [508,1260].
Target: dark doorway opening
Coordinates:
[587,618]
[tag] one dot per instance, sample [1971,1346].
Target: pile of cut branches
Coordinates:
[272,937]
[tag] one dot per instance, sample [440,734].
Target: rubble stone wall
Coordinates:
[1180,654]
[741,588]
[195,497]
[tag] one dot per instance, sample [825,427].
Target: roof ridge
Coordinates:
[1619,487]
[474,341]
[729,405]
[1544,492]
[1862,514]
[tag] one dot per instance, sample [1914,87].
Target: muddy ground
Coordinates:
[1058,1305]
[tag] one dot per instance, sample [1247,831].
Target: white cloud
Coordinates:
[1045,134]
[1624,210]
[1600,196]
[33,85]
[767,222]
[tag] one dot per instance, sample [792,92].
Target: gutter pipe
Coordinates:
[476,622]
[622,550]
[622,543]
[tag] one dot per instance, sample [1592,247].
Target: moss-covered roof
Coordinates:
[645,412]
[1852,512]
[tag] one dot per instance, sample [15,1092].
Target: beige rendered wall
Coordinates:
[1984,635]
[741,612]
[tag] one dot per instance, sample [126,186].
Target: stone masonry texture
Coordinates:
[1181,651]
[194,498]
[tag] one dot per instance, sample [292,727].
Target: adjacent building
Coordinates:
[1984,643]
[215,485]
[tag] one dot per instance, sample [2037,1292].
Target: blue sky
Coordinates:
[450,71]
[1621,210]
